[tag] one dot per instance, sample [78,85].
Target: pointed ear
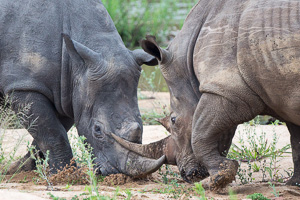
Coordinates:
[150,46]
[79,52]
[165,122]
[141,57]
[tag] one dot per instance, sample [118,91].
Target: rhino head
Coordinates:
[104,101]
[184,99]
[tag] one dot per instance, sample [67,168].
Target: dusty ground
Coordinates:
[23,186]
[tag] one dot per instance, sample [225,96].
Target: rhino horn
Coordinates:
[138,166]
[165,121]
[150,46]
[153,150]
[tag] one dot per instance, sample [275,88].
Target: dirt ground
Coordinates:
[23,186]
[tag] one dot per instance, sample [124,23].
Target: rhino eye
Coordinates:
[173,120]
[97,131]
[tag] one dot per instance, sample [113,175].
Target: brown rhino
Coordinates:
[232,60]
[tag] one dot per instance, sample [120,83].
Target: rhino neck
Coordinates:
[185,40]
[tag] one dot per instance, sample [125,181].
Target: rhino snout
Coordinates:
[194,175]
[133,132]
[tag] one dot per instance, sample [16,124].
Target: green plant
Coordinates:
[276,194]
[129,194]
[257,196]
[245,175]
[86,158]
[167,173]
[232,195]
[149,117]
[152,80]
[200,191]
[256,147]
[10,119]
[173,188]
[42,166]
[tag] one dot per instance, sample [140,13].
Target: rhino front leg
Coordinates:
[295,143]
[214,120]
[45,126]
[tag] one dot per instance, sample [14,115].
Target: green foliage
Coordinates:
[257,196]
[170,183]
[167,173]
[150,79]
[10,119]
[200,191]
[276,194]
[83,155]
[255,148]
[42,166]
[232,195]
[135,19]
[245,175]
[149,117]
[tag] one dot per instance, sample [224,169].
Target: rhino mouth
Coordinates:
[194,175]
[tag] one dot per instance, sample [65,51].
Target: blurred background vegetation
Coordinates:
[135,19]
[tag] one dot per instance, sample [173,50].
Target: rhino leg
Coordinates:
[27,163]
[295,143]
[46,128]
[214,120]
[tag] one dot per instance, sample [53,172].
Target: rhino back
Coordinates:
[269,54]
[215,51]
[31,46]
[250,48]
[28,46]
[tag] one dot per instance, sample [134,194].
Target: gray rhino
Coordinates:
[231,61]
[84,76]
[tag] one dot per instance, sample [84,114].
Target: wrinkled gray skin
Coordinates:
[85,76]
[231,61]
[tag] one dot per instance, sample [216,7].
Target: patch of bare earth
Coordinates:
[28,185]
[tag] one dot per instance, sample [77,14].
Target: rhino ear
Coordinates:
[79,52]
[141,57]
[150,46]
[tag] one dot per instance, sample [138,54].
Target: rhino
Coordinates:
[232,60]
[67,61]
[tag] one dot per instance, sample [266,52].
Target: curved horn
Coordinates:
[138,166]
[153,150]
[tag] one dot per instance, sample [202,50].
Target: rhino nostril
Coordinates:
[184,176]
[98,171]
